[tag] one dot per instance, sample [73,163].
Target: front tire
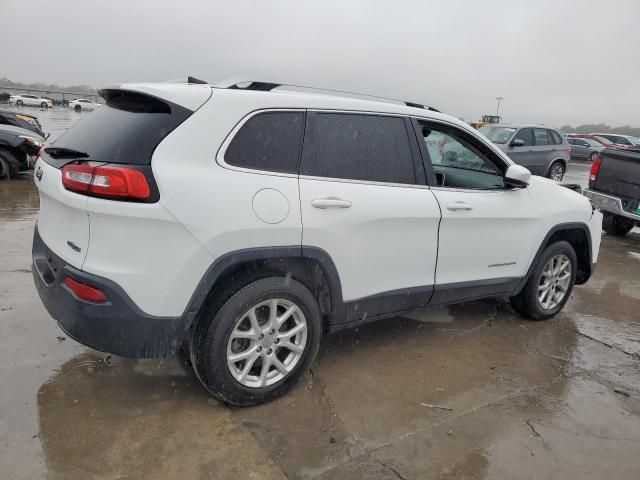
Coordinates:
[616,225]
[77,108]
[550,284]
[44,105]
[256,346]
[556,171]
[19,103]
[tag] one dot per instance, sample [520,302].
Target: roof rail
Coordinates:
[241,83]
[189,79]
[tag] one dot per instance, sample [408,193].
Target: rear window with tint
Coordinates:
[541,136]
[268,141]
[357,147]
[555,137]
[126,130]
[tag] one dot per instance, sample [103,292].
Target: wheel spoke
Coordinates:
[248,334]
[247,367]
[249,352]
[255,325]
[273,312]
[275,361]
[285,316]
[292,346]
[266,365]
[293,331]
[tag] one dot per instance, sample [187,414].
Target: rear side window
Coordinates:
[541,136]
[526,135]
[371,148]
[125,130]
[268,141]
[555,137]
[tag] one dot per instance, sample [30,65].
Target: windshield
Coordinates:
[497,134]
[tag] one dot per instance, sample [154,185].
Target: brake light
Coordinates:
[85,292]
[108,182]
[595,169]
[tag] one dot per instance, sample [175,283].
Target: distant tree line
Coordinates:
[6,83]
[602,128]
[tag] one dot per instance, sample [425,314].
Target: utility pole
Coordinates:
[499,99]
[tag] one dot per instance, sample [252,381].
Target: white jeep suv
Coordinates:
[244,220]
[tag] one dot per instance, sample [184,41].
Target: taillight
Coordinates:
[107,182]
[595,169]
[569,152]
[84,291]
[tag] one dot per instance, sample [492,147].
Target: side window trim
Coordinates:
[424,154]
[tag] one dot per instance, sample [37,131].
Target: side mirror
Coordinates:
[517,143]
[517,176]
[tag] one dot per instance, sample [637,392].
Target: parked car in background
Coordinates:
[626,141]
[83,104]
[614,188]
[584,148]
[541,149]
[259,247]
[31,100]
[23,120]
[18,148]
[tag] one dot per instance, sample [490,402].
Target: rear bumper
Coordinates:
[117,326]
[609,203]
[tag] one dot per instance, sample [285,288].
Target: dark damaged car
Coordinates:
[18,148]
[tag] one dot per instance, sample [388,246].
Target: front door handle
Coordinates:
[330,202]
[459,206]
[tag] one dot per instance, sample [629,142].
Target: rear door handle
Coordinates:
[330,202]
[459,206]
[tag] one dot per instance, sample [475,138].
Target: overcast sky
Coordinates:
[553,61]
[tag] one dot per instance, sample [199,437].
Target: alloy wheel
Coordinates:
[557,172]
[554,282]
[266,343]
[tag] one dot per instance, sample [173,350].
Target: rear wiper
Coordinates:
[62,152]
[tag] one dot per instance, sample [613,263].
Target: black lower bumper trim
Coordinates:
[117,326]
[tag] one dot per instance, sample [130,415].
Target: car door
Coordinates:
[541,151]
[580,149]
[365,203]
[487,228]
[522,154]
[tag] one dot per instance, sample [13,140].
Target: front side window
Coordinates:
[372,148]
[499,135]
[541,136]
[526,135]
[457,161]
[268,141]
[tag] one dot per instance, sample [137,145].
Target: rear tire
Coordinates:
[77,108]
[44,105]
[9,165]
[531,301]
[616,225]
[556,171]
[227,331]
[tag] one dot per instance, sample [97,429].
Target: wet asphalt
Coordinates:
[467,391]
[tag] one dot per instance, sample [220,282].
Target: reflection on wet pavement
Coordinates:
[468,391]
